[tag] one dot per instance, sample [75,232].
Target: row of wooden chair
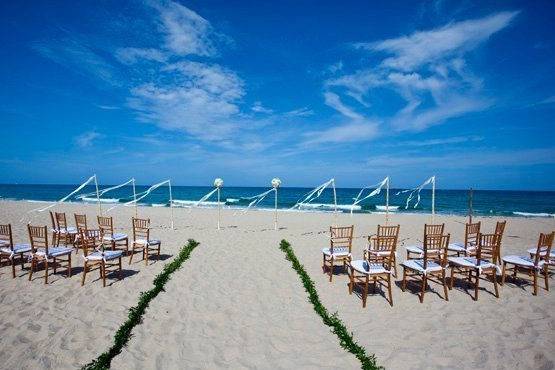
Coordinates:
[102,248]
[479,255]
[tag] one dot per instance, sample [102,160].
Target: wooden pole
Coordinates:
[387,202]
[470,205]
[135,197]
[219,208]
[334,200]
[433,198]
[171,202]
[97,195]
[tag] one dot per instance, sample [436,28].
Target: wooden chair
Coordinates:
[531,266]
[115,240]
[61,231]
[468,248]
[9,250]
[377,268]
[41,252]
[499,230]
[433,264]
[485,263]
[417,251]
[141,239]
[341,244]
[80,222]
[95,255]
[377,251]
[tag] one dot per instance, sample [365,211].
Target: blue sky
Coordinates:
[306,91]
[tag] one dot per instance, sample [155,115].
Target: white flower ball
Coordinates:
[276,182]
[218,183]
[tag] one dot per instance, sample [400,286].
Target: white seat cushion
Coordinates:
[533,251]
[116,237]
[418,265]
[378,253]
[3,243]
[459,247]
[54,252]
[337,252]
[106,255]
[522,261]
[68,230]
[150,242]
[471,262]
[364,267]
[415,249]
[18,248]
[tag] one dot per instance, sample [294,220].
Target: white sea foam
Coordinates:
[384,208]
[529,214]
[329,206]
[102,200]
[232,200]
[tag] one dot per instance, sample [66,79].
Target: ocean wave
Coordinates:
[330,206]
[232,200]
[101,200]
[530,214]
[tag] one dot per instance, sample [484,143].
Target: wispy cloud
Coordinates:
[133,55]
[427,70]
[107,107]
[259,108]
[441,141]
[300,112]
[344,133]
[86,139]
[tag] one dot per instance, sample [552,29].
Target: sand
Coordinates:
[237,303]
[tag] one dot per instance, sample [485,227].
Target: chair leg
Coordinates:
[423,290]
[145,255]
[477,285]
[445,290]
[535,282]
[46,270]
[331,269]
[503,273]
[546,276]
[84,273]
[120,273]
[69,265]
[13,266]
[55,263]
[365,292]
[21,260]
[404,284]
[395,264]
[495,283]
[103,267]
[132,253]
[351,281]
[389,290]
[451,279]
[32,268]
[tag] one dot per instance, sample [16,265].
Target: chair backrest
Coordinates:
[433,229]
[6,235]
[80,221]
[472,234]
[106,225]
[500,228]
[488,247]
[90,240]
[388,230]
[341,236]
[38,236]
[54,226]
[435,249]
[61,222]
[141,228]
[545,243]
[386,238]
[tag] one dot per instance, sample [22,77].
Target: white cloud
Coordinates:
[426,47]
[427,70]
[107,107]
[133,55]
[300,112]
[259,108]
[86,139]
[441,141]
[344,133]
[185,31]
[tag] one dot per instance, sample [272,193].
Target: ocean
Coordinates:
[485,202]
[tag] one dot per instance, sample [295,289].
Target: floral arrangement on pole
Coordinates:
[218,183]
[276,182]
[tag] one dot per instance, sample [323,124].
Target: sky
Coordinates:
[301,90]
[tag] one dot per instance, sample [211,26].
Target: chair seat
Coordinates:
[337,252]
[54,252]
[106,255]
[18,248]
[522,261]
[460,248]
[149,242]
[364,267]
[116,237]
[418,265]
[543,250]
[415,249]
[66,230]
[471,262]
[379,253]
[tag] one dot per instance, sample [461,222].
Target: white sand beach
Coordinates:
[237,303]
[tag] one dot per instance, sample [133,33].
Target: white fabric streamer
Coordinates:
[204,199]
[103,191]
[417,190]
[376,191]
[310,197]
[42,209]
[257,199]
[143,194]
